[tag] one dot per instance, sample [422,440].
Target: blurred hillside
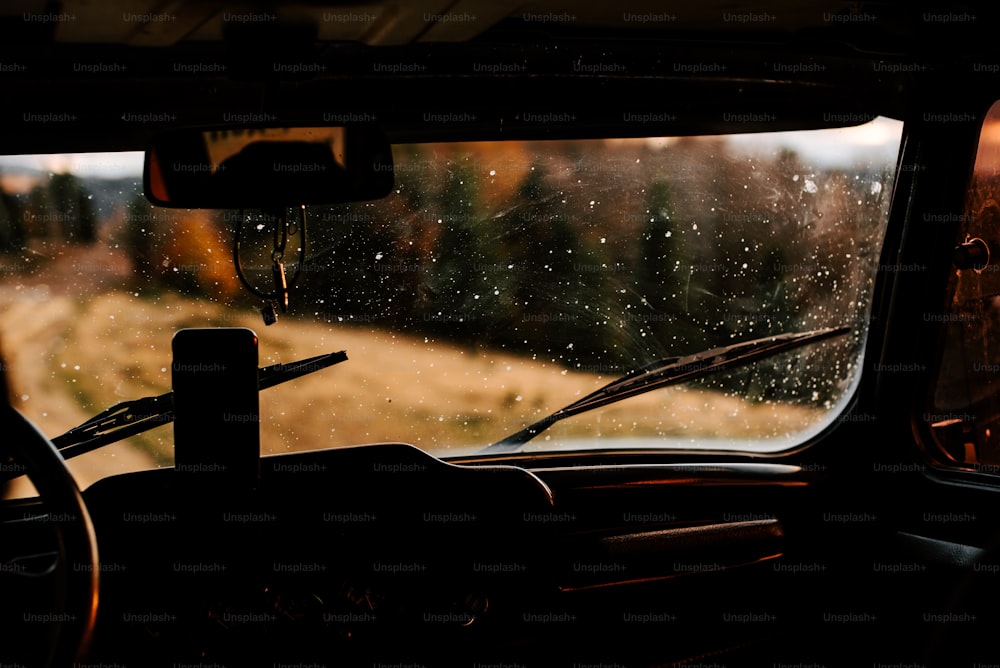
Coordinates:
[595,256]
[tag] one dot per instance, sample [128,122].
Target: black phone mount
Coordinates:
[216,407]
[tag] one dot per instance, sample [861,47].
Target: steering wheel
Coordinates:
[72,579]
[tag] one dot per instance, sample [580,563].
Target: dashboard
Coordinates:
[384,554]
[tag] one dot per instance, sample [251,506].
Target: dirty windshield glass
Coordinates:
[498,282]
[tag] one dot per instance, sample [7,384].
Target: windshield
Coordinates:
[499,282]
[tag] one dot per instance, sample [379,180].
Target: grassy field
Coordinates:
[73,357]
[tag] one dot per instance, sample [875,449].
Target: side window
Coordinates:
[964,407]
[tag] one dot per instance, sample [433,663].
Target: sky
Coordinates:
[97,165]
[877,141]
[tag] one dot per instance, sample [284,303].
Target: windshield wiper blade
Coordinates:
[668,371]
[136,416]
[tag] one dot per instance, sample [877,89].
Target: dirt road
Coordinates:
[36,311]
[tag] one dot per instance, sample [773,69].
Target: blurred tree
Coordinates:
[537,239]
[11,229]
[462,284]
[663,275]
[139,234]
[657,275]
[347,275]
[74,208]
[555,277]
[40,217]
[186,250]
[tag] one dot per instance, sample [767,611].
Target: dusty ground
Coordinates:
[36,311]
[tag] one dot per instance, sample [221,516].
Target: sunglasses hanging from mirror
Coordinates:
[284,227]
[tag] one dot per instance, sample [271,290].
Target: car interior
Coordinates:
[826,497]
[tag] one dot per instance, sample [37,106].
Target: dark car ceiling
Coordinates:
[890,26]
[85,75]
[165,22]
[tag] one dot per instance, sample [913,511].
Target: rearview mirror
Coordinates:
[267,167]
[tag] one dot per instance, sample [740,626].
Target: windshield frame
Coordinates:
[843,405]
